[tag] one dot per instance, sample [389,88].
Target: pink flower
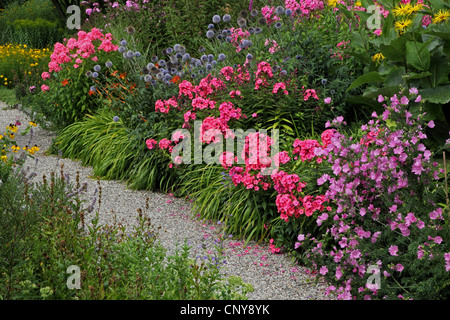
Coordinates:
[45,75]
[399,267]
[45,87]
[151,143]
[323,270]
[254,115]
[393,250]
[327,100]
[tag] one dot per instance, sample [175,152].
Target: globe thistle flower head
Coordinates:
[242,23]
[123,42]
[130,54]
[278,25]
[122,49]
[108,64]
[204,58]
[97,68]
[221,57]
[213,63]
[94,74]
[88,74]
[153,82]
[169,50]
[258,30]
[159,76]
[186,57]
[288,12]
[130,30]
[283,72]
[154,59]
[137,54]
[162,63]
[208,66]
[116,119]
[254,13]
[201,49]
[193,76]
[176,47]
[145,70]
[262,21]
[210,34]
[249,56]
[179,55]
[181,49]
[251,30]
[93,88]
[323,81]
[279,10]
[210,57]
[216,18]
[228,39]
[243,13]
[226,18]
[210,26]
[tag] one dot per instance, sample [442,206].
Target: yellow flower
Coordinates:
[15,148]
[33,124]
[415,8]
[3,158]
[378,57]
[358,4]
[332,3]
[402,10]
[400,26]
[441,16]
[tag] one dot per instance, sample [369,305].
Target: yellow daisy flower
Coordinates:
[441,16]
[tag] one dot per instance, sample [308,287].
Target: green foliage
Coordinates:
[44,230]
[412,57]
[34,23]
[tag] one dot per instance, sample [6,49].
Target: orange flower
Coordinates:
[115,72]
[65,82]
[175,79]
[122,75]
[91,92]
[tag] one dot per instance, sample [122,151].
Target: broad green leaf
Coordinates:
[417,55]
[395,77]
[395,51]
[439,67]
[441,30]
[438,95]
[414,76]
[385,91]
[366,78]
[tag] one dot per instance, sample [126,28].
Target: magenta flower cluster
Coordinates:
[382,186]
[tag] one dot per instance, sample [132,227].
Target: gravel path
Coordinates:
[273,276]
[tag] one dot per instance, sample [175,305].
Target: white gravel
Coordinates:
[273,276]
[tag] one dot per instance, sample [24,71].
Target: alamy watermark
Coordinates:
[374,281]
[74,20]
[74,281]
[374,21]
